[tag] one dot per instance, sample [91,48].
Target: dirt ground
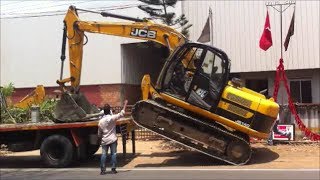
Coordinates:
[162,153]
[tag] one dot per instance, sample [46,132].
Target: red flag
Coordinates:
[266,39]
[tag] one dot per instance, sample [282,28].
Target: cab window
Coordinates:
[183,71]
[207,81]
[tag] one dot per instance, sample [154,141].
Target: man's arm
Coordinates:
[99,132]
[121,113]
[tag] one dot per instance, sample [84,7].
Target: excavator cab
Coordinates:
[197,74]
[194,104]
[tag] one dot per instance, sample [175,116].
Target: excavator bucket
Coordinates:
[73,108]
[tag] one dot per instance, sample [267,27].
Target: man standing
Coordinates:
[108,137]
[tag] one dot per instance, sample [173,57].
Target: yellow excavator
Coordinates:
[35,97]
[192,102]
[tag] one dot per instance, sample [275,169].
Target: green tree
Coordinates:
[7,90]
[159,9]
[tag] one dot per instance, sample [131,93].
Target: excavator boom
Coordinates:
[143,30]
[73,106]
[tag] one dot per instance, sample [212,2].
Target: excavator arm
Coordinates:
[74,32]
[73,106]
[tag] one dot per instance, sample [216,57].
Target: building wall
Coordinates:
[238,25]
[237,28]
[309,113]
[310,74]
[113,94]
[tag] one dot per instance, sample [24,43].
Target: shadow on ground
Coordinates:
[263,155]
[183,158]
[192,158]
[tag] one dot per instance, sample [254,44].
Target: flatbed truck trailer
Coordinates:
[60,143]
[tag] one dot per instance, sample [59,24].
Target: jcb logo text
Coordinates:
[143,33]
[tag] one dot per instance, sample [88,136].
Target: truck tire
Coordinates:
[57,151]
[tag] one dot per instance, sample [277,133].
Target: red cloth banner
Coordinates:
[281,76]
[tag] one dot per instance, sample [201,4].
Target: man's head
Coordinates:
[106,109]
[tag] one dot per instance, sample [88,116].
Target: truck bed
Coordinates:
[52,125]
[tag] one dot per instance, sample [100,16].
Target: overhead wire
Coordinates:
[28,13]
[10,3]
[57,13]
[25,6]
[44,7]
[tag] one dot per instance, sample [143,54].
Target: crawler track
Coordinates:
[207,138]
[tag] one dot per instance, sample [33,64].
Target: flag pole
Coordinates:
[279,4]
[281,75]
[281,31]
[211,26]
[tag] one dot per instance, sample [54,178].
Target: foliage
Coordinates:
[158,9]
[18,115]
[14,115]
[8,90]
[46,109]
[10,114]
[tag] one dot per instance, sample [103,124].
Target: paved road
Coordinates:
[161,173]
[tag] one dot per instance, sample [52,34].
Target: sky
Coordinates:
[18,9]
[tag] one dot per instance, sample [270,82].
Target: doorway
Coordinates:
[258,85]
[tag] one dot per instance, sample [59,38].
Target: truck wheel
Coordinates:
[56,151]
